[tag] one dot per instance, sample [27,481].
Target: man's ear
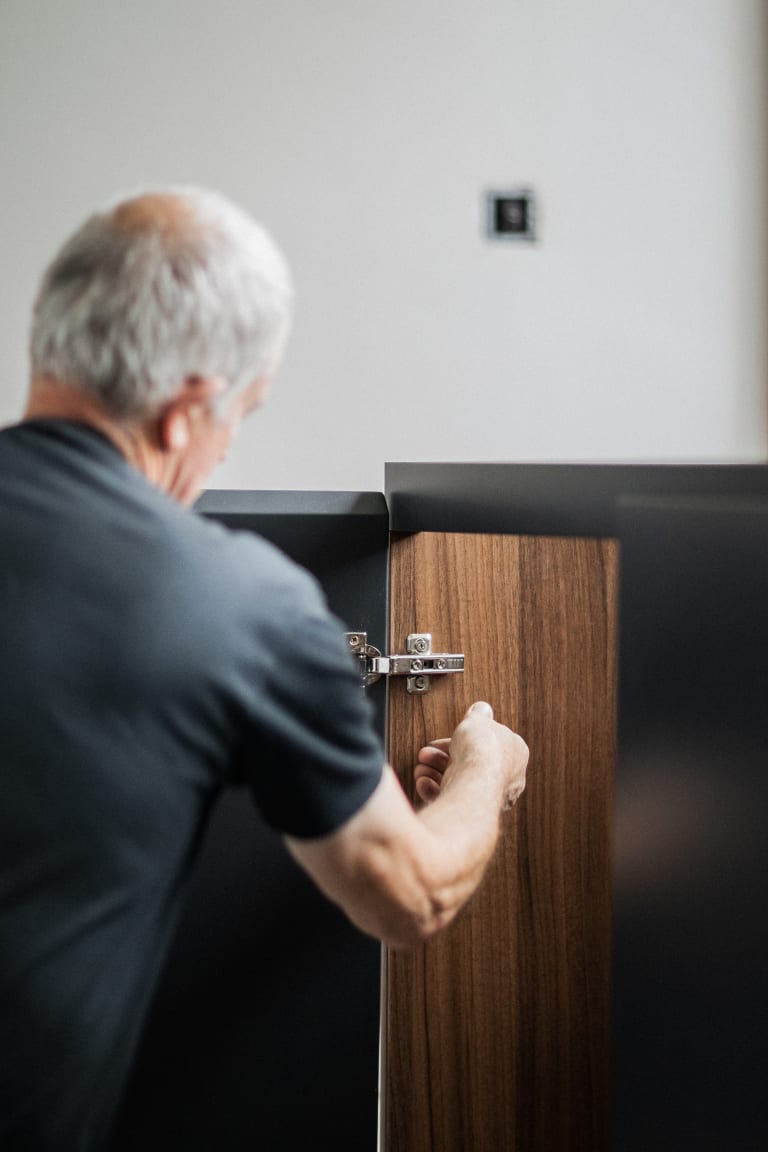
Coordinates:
[180,414]
[174,429]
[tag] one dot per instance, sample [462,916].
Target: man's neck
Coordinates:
[51,399]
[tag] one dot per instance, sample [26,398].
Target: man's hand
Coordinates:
[478,732]
[403,875]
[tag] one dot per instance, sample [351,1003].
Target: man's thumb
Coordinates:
[480,708]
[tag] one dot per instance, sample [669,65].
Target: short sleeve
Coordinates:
[311,756]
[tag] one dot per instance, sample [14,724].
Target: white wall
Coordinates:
[364,134]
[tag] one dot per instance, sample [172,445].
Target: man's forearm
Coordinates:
[403,875]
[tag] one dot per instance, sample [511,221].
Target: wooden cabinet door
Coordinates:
[496,1033]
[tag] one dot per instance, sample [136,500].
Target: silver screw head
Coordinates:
[417,665]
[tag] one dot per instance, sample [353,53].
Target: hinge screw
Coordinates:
[421,645]
[353,640]
[440,664]
[417,665]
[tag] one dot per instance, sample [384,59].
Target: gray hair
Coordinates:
[156,289]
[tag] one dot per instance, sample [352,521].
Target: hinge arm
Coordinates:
[418,664]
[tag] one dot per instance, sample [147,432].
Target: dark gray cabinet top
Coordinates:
[547,499]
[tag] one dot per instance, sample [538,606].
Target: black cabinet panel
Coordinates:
[264,1031]
[691,849]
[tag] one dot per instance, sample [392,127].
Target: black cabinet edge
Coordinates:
[234,502]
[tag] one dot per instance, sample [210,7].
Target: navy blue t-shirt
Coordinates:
[147,658]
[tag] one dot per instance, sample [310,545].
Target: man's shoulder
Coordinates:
[66,483]
[242,574]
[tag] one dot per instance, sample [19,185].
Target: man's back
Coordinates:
[138,653]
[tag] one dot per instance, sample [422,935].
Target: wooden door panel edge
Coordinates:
[497,1032]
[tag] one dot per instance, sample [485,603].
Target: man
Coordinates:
[140,670]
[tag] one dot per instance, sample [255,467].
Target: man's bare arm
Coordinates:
[403,875]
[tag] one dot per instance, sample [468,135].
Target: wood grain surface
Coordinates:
[496,1034]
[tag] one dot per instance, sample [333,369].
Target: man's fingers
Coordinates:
[435,757]
[430,767]
[427,790]
[425,772]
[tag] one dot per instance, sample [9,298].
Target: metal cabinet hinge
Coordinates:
[419,663]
